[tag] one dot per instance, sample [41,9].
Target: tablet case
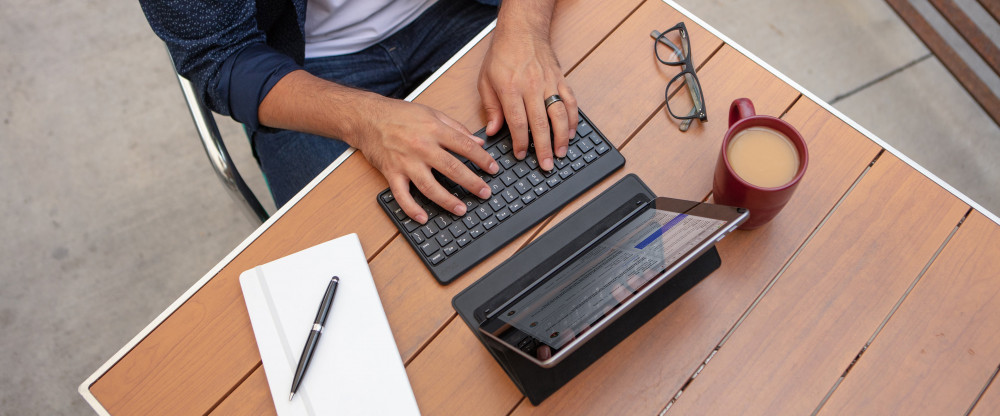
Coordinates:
[538,383]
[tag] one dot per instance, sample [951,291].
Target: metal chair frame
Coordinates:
[217,154]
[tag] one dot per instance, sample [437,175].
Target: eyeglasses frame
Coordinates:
[698,110]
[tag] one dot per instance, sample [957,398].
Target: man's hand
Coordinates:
[407,140]
[403,140]
[519,72]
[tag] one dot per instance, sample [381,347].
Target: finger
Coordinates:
[433,190]
[539,121]
[450,122]
[458,172]
[560,127]
[517,123]
[572,108]
[492,105]
[400,187]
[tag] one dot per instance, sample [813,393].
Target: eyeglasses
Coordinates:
[666,50]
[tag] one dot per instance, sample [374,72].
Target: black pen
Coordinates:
[317,329]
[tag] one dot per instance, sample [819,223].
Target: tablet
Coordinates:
[551,312]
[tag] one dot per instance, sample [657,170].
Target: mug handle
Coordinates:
[740,109]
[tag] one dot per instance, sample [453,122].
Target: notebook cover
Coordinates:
[356,368]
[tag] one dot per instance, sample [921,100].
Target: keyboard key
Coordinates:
[503,214]
[602,148]
[553,181]
[399,214]
[483,212]
[410,225]
[436,258]
[528,198]
[508,178]
[510,195]
[573,153]
[583,128]
[494,152]
[417,238]
[428,248]
[596,139]
[477,231]
[516,206]
[585,146]
[496,186]
[490,222]
[540,189]
[387,197]
[463,240]
[521,169]
[504,147]
[535,178]
[456,229]
[522,186]
[470,202]
[531,161]
[507,161]
[442,222]
[560,162]
[450,249]
[578,165]
[443,239]
[565,173]
[429,230]
[589,157]
[470,221]
[496,203]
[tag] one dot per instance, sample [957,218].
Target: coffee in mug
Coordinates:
[761,162]
[763,156]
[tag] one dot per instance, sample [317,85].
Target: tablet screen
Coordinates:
[595,282]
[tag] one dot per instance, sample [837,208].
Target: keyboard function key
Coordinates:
[553,181]
[578,165]
[387,197]
[490,222]
[503,214]
[463,240]
[450,249]
[477,231]
[541,189]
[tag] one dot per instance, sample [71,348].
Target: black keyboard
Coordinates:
[522,195]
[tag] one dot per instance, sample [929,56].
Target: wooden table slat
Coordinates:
[943,344]
[990,402]
[791,349]
[252,397]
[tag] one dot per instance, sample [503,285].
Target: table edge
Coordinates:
[84,388]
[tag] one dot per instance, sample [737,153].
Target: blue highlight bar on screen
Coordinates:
[656,234]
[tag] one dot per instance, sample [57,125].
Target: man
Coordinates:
[268,64]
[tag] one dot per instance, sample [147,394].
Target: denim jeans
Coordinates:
[393,68]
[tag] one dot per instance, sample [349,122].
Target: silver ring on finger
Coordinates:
[554,98]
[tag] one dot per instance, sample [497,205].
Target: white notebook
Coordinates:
[356,368]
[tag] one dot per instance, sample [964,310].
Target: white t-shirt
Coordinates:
[338,27]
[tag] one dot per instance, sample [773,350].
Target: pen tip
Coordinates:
[290,396]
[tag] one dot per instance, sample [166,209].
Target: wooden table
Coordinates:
[876,290]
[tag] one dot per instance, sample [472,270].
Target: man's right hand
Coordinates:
[403,140]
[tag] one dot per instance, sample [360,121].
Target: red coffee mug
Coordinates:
[729,189]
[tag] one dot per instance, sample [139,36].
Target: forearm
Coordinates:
[525,18]
[303,102]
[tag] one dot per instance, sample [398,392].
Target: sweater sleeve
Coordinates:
[217,45]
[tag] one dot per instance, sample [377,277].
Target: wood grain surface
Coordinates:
[252,397]
[942,346]
[803,334]
[990,401]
